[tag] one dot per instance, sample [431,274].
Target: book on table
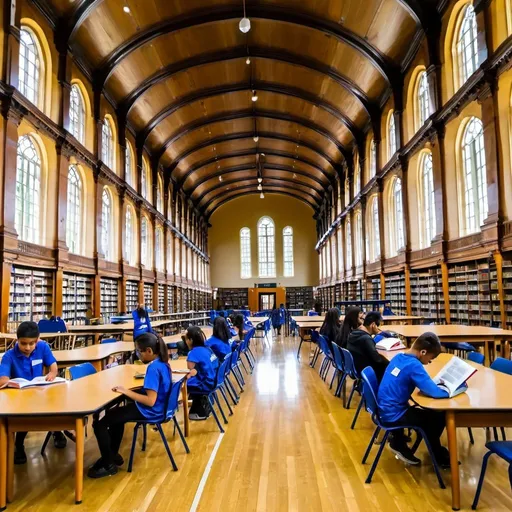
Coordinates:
[37,381]
[389,344]
[454,375]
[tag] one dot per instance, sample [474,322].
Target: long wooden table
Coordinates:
[387,319]
[64,407]
[97,355]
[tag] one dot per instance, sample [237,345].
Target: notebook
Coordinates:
[24,383]
[454,375]
[389,344]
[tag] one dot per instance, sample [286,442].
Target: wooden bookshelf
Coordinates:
[179,303]
[507,290]
[161,298]
[30,296]
[395,293]
[132,295]
[109,298]
[300,297]
[76,297]
[148,295]
[373,288]
[233,298]
[170,299]
[427,299]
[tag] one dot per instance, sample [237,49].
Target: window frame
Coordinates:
[348,245]
[423,100]
[467,44]
[106,223]
[373,159]
[34,91]
[391,133]
[129,235]
[107,143]
[427,226]
[77,121]
[288,256]
[245,253]
[74,217]
[266,249]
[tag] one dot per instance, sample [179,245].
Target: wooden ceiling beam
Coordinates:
[207,93]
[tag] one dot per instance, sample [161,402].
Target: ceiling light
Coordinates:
[256,138]
[294,175]
[260,187]
[244,25]
[254,96]
[220,178]
[248,61]
[262,196]
[126,9]
[260,180]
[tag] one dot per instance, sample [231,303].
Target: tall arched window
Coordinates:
[144,180]
[160,195]
[359,239]
[77,114]
[475,176]
[340,250]
[373,159]
[266,248]
[159,254]
[334,257]
[106,223]
[245,253]
[398,217]
[373,231]
[327,251]
[129,249]
[107,144]
[423,100]
[169,254]
[348,246]
[144,241]
[391,135]
[347,192]
[30,79]
[357,180]
[427,201]
[288,251]
[74,211]
[467,45]
[177,258]
[339,202]
[129,165]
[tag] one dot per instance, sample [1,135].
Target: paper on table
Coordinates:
[37,381]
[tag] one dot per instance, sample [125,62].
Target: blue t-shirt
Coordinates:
[206,365]
[158,378]
[220,348]
[140,325]
[404,373]
[17,365]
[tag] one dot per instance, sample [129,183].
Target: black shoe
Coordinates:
[404,453]
[20,457]
[118,461]
[59,440]
[443,459]
[102,471]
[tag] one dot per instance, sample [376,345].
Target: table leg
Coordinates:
[506,349]
[184,396]
[79,460]
[10,467]
[451,430]
[3,464]
[98,365]
[487,357]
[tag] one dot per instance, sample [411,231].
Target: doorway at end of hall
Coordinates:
[267,301]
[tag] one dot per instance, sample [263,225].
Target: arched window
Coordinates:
[129,249]
[339,202]
[398,218]
[30,79]
[467,45]
[327,252]
[266,248]
[373,231]
[169,253]
[288,251]
[359,239]
[144,180]
[391,135]
[427,201]
[107,144]
[77,114]
[74,211]
[106,224]
[475,176]
[423,100]
[347,192]
[129,165]
[28,190]
[160,195]
[144,242]
[340,250]
[177,256]
[373,159]
[159,250]
[348,246]
[334,257]
[245,253]
[357,180]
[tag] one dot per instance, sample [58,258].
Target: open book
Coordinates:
[389,344]
[453,376]
[24,383]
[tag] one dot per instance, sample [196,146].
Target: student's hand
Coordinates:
[119,389]
[51,377]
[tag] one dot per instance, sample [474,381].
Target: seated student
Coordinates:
[232,330]
[203,364]
[220,342]
[405,373]
[362,347]
[141,322]
[26,361]
[239,324]
[331,326]
[353,319]
[149,405]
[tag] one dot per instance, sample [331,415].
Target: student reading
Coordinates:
[149,405]
[405,373]
[26,361]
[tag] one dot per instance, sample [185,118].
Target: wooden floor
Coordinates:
[288,447]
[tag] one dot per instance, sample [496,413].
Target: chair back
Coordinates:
[248,335]
[370,391]
[500,364]
[476,357]
[54,324]
[315,337]
[81,370]
[234,356]
[324,345]
[108,340]
[172,402]
[338,357]
[312,313]
[228,358]
[221,371]
[348,362]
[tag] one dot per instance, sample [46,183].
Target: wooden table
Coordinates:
[208,331]
[387,319]
[255,320]
[64,407]
[461,333]
[97,355]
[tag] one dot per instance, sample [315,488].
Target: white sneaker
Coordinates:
[195,417]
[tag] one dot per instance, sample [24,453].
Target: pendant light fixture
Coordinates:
[248,60]
[260,187]
[254,96]
[245,23]
[260,179]
[262,196]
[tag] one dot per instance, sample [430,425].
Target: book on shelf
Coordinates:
[20,383]
[454,375]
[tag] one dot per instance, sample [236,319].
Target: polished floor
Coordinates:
[288,447]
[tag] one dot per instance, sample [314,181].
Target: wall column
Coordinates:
[12,23]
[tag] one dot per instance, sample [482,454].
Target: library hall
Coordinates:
[255,255]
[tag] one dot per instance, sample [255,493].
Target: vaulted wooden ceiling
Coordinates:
[177,69]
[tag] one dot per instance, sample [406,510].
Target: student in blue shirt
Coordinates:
[148,405]
[278,317]
[203,365]
[404,373]
[141,322]
[220,341]
[26,360]
[239,324]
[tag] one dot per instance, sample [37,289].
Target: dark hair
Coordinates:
[221,329]
[196,335]
[330,327]
[318,307]
[141,311]
[238,321]
[350,322]
[27,330]
[428,341]
[155,343]
[372,317]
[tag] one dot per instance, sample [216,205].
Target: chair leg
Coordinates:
[216,398]
[243,365]
[298,350]
[503,435]
[316,353]
[333,377]
[144,436]
[358,410]
[167,449]
[232,391]
[432,456]
[223,393]
[354,387]
[369,448]
[471,438]
[481,480]
[183,440]
[46,440]
[239,364]
[343,377]
[132,451]
[376,461]
[215,416]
